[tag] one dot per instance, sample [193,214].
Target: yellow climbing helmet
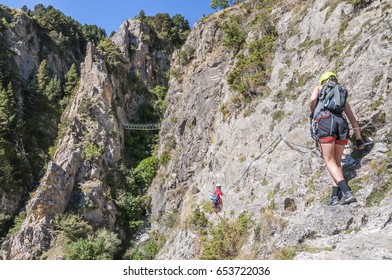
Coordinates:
[326,76]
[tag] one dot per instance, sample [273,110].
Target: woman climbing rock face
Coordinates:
[329,127]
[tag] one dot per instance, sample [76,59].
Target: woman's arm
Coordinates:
[313,99]
[354,123]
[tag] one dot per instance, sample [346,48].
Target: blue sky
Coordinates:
[111,14]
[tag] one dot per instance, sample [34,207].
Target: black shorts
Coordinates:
[331,128]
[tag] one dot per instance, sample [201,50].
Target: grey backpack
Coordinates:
[332,97]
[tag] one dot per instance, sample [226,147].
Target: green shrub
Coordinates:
[186,54]
[198,219]
[4,223]
[160,104]
[92,151]
[307,44]
[73,226]
[4,24]
[386,7]
[264,20]
[166,31]
[146,170]
[175,73]
[208,207]
[138,145]
[103,245]
[356,185]
[242,158]
[333,50]
[153,245]
[379,193]
[171,141]
[132,208]
[164,158]
[270,194]
[223,4]
[149,249]
[233,36]
[18,221]
[327,42]
[112,54]
[381,117]
[357,3]
[342,28]
[278,115]
[172,218]
[270,224]
[251,73]
[227,238]
[332,4]
[289,253]
[225,110]
[356,230]
[4,218]
[376,104]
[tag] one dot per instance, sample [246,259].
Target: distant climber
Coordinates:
[330,129]
[217,198]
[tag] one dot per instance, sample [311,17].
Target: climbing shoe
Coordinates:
[340,194]
[347,198]
[334,200]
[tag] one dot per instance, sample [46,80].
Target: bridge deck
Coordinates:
[139,126]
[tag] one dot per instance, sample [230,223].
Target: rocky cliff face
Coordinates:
[89,119]
[89,147]
[23,40]
[150,64]
[212,136]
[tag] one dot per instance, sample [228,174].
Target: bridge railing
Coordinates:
[141,126]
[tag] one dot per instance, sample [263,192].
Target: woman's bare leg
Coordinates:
[328,151]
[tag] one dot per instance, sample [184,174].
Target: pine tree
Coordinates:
[93,33]
[71,81]
[53,89]
[223,4]
[7,110]
[43,77]
[7,127]
[142,15]
[180,30]
[7,170]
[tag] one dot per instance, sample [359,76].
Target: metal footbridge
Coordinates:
[141,126]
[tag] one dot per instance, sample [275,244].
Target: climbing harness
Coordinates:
[216,203]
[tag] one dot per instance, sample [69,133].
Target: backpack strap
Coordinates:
[326,92]
[338,101]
